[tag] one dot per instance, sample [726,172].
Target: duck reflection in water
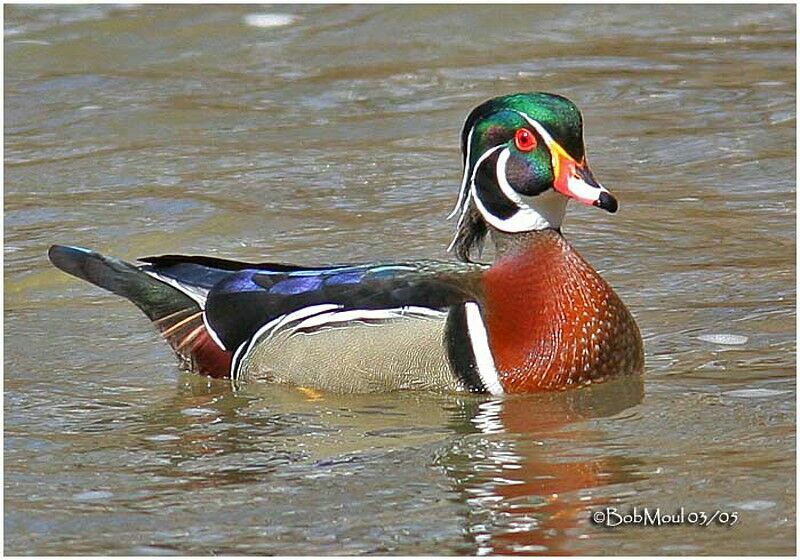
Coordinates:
[524,470]
[533,467]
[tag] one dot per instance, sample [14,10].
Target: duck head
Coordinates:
[524,159]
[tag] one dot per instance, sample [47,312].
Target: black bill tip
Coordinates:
[607,202]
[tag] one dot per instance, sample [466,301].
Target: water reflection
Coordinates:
[207,436]
[526,468]
[534,468]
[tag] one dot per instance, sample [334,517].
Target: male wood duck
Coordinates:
[539,318]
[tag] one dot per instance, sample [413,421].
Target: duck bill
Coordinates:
[575,180]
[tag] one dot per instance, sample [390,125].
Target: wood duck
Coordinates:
[538,318]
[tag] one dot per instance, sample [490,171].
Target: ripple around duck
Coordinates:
[154,129]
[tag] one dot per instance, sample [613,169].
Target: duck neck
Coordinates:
[508,245]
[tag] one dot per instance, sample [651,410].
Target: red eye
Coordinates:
[525,140]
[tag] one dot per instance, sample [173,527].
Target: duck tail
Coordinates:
[178,315]
[155,298]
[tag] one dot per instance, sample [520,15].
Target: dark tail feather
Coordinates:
[177,316]
[155,298]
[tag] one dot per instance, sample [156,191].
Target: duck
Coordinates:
[537,318]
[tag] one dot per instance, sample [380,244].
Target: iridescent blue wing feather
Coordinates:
[243,302]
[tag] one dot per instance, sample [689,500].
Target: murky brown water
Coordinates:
[143,130]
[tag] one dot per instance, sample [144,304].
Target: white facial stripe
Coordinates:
[552,145]
[547,214]
[521,220]
[578,188]
[502,180]
[525,219]
[485,155]
[478,163]
[539,128]
[462,192]
[544,134]
[543,211]
[481,350]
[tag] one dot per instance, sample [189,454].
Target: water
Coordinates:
[329,134]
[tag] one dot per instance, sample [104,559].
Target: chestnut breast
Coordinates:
[552,321]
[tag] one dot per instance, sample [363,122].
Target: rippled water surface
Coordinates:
[331,135]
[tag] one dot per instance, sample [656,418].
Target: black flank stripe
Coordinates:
[459,350]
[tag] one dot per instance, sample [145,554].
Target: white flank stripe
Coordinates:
[416,310]
[196,293]
[393,267]
[276,324]
[246,347]
[235,361]
[480,348]
[357,314]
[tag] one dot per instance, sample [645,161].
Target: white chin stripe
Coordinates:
[542,211]
[480,348]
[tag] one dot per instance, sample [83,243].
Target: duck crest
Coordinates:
[552,320]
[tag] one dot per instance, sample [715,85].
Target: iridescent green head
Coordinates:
[524,158]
